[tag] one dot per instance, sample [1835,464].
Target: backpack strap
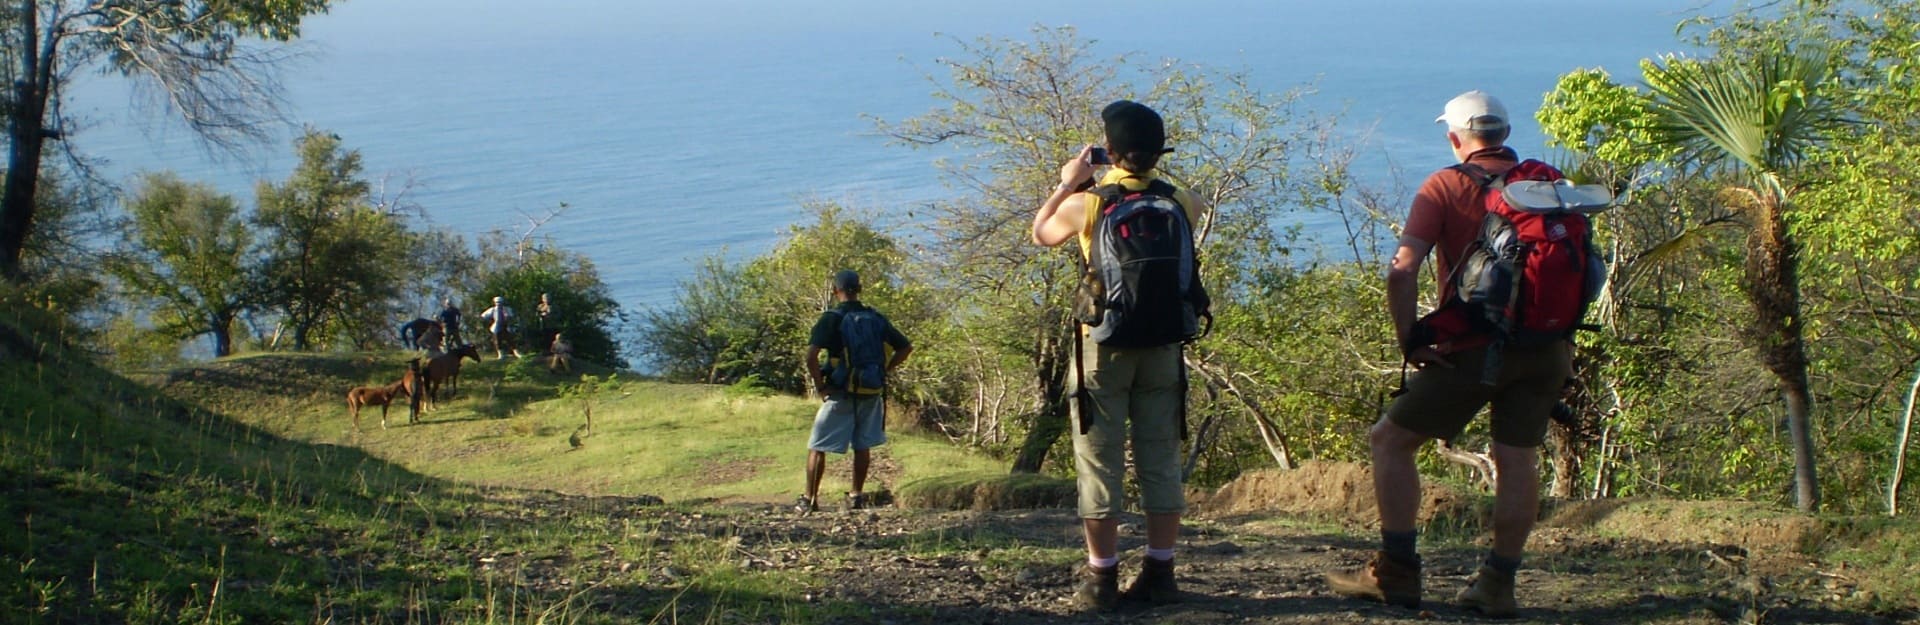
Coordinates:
[1111,194]
[1486,179]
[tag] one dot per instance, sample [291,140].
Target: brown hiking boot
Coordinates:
[1099,589]
[1154,584]
[1490,592]
[1383,579]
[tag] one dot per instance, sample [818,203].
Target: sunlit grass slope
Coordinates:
[513,423]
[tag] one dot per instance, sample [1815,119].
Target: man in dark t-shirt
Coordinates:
[450,318]
[847,417]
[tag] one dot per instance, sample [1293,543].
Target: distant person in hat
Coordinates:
[500,323]
[856,340]
[1446,391]
[1133,394]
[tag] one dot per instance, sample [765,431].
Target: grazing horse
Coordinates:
[410,332]
[374,396]
[446,368]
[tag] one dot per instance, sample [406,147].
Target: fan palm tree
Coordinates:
[1751,119]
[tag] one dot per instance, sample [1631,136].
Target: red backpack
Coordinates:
[1530,275]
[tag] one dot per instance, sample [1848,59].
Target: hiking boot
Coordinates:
[1154,584]
[1490,593]
[856,501]
[805,505]
[1099,589]
[1384,579]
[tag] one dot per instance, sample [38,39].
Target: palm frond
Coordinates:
[1764,113]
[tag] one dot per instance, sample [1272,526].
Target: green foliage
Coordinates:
[1602,120]
[753,320]
[186,255]
[335,266]
[584,311]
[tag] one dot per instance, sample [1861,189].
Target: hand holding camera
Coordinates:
[1078,172]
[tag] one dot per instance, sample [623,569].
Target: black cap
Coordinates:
[846,281]
[1132,127]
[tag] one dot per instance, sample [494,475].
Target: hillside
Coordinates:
[234,492]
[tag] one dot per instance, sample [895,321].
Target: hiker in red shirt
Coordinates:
[1447,389]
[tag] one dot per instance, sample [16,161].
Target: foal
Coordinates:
[374,396]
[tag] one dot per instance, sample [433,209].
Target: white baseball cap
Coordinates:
[1474,110]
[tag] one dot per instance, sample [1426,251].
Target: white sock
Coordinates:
[1103,563]
[1163,555]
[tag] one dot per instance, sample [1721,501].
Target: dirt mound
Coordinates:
[988,491]
[1751,526]
[1342,490]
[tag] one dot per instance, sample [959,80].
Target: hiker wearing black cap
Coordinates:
[1452,382]
[856,339]
[1133,388]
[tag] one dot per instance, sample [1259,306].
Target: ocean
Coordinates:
[673,131]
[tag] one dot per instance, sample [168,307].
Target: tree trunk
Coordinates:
[1806,486]
[1053,366]
[26,132]
[1773,288]
[223,338]
[1563,454]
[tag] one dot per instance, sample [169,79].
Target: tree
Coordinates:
[335,266]
[188,249]
[1019,109]
[189,54]
[1755,117]
[586,312]
[749,322]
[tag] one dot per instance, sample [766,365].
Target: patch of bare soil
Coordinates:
[1754,527]
[1342,490]
[733,470]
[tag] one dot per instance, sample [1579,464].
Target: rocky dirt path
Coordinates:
[1015,567]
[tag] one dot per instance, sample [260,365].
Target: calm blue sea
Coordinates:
[677,130]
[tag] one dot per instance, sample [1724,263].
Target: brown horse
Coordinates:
[446,368]
[374,396]
[413,381]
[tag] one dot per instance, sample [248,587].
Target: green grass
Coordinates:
[241,496]
[510,426]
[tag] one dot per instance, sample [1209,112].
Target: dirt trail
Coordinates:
[1264,566]
[1251,570]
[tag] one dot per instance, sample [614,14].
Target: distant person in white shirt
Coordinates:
[500,322]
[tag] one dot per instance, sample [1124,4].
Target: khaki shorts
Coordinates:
[1134,394]
[1440,401]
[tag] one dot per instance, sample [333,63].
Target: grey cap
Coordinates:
[846,281]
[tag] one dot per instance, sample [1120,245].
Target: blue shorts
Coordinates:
[843,419]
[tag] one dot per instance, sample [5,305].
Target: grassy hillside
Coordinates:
[241,496]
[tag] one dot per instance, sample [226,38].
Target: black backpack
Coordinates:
[1142,284]
[862,364]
